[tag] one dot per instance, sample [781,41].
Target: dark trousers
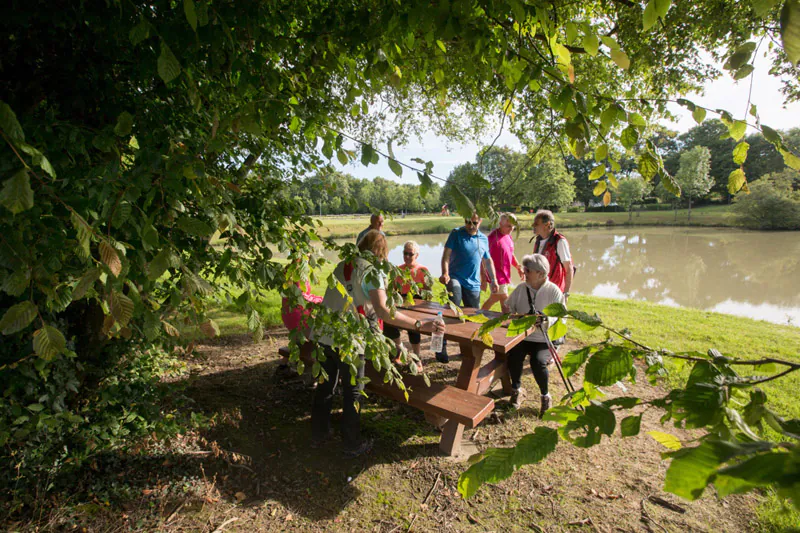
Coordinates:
[393,333]
[539,356]
[462,298]
[323,401]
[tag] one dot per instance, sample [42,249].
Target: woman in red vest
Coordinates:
[555,248]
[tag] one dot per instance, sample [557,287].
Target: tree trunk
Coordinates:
[630,214]
[690,210]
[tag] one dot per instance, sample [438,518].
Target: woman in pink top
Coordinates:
[501,248]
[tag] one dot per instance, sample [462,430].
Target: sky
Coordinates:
[723,93]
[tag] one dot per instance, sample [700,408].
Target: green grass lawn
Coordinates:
[351,225]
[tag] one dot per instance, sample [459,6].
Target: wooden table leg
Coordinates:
[467,380]
[505,377]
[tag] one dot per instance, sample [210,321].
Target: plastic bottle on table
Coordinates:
[437,338]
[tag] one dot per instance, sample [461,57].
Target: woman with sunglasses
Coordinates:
[420,276]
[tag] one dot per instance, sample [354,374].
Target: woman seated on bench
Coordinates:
[421,280]
[529,298]
[368,299]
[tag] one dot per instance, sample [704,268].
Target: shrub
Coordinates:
[772,203]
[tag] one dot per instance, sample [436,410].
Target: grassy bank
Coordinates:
[351,225]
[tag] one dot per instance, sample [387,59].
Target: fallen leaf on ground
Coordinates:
[240,496]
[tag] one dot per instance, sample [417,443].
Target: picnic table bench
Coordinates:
[453,407]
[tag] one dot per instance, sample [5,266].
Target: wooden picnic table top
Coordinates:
[459,331]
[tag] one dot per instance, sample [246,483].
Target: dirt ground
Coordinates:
[253,469]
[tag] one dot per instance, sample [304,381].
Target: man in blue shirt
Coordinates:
[466,248]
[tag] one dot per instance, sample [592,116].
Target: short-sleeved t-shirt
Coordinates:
[417,275]
[467,253]
[501,248]
[547,294]
[562,248]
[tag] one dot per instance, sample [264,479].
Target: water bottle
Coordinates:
[437,339]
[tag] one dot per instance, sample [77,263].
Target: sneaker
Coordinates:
[442,357]
[517,397]
[547,402]
[364,448]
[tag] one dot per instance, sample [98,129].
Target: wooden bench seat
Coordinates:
[439,399]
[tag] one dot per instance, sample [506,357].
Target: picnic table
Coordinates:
[463,404]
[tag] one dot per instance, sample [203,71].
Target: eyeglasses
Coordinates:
[471,222]
[408,254]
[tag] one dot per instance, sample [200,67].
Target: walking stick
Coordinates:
[567,383]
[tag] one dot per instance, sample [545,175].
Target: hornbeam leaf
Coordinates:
[170,330]
[591,321]
[555,309]
[692,468]
[124,124]
[743,72]
[109,256]
[591,44]
[666,440]
[762,7]
[426,183]
[557,330]
[607,198]
[121,308]
[9,123]
[736,180]
[791,160]
[575,359]
[191,13]
[630,425]
[17,195]
[621,59]
[168,66]
[648,166]
[85,283]
[395,167]
[140,32]
[649,17]
[518,326]
[610,42]
[38,158]
[464,205]
[194,226]
[341,155]
[597,173]
[669,183]
[17,317]
[662,6]
[740,152]
[790,30]
[737,129]
[609,365]
[601,152]
[699,114]
[600,188]
[48,342]
[629,137]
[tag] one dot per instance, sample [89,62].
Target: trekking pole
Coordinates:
[567,383]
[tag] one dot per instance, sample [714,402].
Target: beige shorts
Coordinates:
[503,289]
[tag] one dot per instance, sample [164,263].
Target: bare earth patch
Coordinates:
[253,470]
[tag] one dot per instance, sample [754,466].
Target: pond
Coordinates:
[744,273]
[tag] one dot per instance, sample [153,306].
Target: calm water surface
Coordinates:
[753,274]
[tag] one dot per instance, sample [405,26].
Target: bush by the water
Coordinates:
[773,202]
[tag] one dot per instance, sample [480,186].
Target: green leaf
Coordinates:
[191,13]
[582,317]
[159,264]
[395,167]
[194,226]
[17,195]
[762,7]
[629,137]
[341,155]
[648,166]
[48,342]
[497,464]
[17,283]
[772,136]
[692,468]
[630,425]
[621,59]
[441,46]
[649,17]
[17,317]
[425,183]
[740,152]
[557,330]
[669,183]
[85,283]
[140,32]
[790,30]
[665,439]
[121,308]
[609,365]
[555,309]
[601,153]
[736,180]
[597,173]
[662,6]
[9,123]
[464,205]
[699,114]
[737,129]
[791,160]
[600,188]
[575,359]
[635,119]
[366,154]
[740,56]
[168,66]
[591,44]
[743,72]
[38,158]
[610,42]
[518,326]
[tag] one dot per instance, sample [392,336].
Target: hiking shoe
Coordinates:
[517,397]
[442,357]
[364,448]
[547,402]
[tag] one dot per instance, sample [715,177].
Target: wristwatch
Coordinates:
[418,325]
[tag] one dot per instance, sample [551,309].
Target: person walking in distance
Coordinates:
[554,246]
[501,249]
[529,298]
[375,223]
[464,252]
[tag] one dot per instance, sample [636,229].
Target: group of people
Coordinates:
[469,258]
